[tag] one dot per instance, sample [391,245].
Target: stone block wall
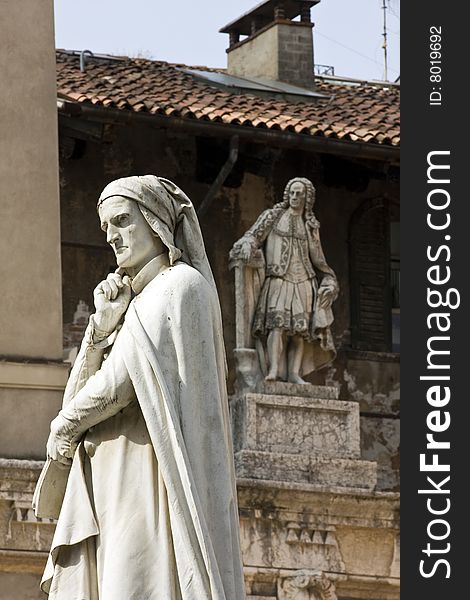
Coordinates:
[281,52]
[295,58]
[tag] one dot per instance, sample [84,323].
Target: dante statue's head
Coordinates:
[150,215]
[128,233]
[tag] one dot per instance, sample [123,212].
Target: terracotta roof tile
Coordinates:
[363,112]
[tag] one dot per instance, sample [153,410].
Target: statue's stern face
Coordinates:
[128,233]
[297,195]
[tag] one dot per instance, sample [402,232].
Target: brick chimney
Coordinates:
[276,47]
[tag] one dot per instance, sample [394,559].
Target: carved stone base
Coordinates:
[332,472]
[308,438]
[316,427]
[284,388]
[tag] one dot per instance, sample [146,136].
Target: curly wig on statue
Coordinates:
[309,201]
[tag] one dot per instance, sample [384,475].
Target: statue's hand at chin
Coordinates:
[111,297]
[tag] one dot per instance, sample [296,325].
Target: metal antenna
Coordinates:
[384,46]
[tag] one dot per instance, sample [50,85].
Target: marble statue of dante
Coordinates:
[293,311]
[150,509]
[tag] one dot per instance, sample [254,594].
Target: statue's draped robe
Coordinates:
[150,509]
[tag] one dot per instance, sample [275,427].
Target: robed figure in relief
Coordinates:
[294,287]
[150,509]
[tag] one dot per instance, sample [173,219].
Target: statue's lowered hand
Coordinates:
[111,297]
[59,445]
[325,297]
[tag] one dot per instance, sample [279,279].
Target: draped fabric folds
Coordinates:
[170,348]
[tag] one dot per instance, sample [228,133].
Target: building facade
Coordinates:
[318,519]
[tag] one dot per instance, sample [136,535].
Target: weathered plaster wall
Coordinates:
[31,375]
[373,380]
[29,244]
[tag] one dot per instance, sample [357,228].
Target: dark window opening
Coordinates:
[212,154]
[375,277]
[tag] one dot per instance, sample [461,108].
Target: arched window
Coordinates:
[375,276]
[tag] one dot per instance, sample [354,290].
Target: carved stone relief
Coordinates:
[306,585]
[22,512]
[321,541]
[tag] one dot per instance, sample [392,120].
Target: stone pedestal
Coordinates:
[312,526]
[299,433]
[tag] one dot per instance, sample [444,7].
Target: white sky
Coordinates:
[347,33]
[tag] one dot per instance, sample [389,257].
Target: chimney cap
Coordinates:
[264,13]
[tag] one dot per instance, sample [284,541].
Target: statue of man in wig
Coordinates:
[293,313]
[150,507]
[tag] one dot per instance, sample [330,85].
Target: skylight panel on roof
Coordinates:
[256,85]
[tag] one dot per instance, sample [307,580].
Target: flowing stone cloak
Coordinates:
[172,349]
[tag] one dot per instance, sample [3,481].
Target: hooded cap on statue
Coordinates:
[170,214]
